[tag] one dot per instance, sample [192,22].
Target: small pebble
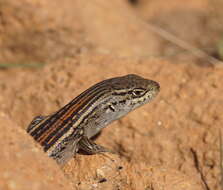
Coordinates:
[102,180]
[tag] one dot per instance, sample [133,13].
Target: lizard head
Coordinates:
[134,90]
[114,98]
[128,93]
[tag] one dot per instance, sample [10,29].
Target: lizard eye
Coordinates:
[138,92]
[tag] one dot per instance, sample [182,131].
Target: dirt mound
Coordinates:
[23,164]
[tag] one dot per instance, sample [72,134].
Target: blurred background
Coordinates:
[38,32]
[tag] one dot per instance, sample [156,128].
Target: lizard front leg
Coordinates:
[68,148]
[91,147]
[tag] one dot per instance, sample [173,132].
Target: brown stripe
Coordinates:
[44,126]
[57,134]
[67,116]
[75,107]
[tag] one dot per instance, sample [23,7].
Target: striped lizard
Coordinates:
[71,128]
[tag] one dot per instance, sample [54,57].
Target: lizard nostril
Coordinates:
[157,85]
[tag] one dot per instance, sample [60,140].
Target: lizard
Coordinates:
[70,129]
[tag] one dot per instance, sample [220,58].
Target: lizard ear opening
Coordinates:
[112,108]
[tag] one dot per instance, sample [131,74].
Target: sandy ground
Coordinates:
[170,144]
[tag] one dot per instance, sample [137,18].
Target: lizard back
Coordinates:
[48,129]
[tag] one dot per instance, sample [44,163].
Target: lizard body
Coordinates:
[71,128]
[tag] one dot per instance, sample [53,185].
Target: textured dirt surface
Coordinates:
[171,143]
[23,164]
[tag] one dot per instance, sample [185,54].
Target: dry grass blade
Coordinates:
[23,65]
[199,170]
[181,43]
